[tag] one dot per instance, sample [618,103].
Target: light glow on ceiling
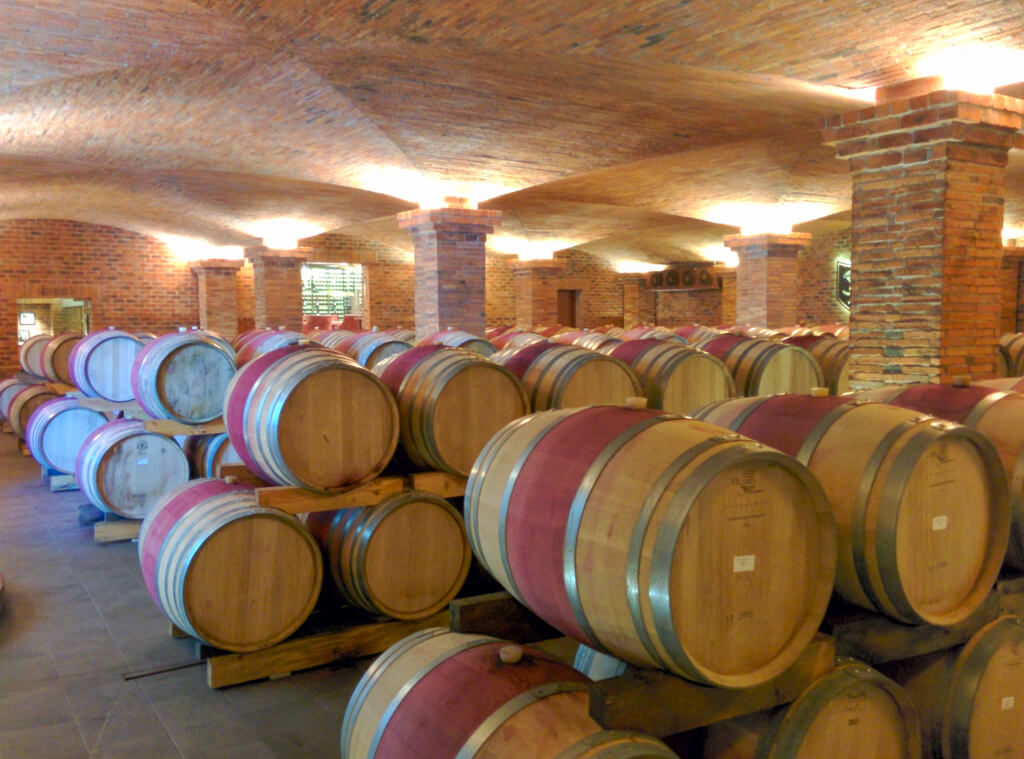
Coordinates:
[194,249]
[1012,233]
[721,255]
[427,192]
[637,267]
[529,250]
[974,68]
[766,218]
[282,233]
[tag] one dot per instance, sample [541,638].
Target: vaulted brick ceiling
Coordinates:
[636,129]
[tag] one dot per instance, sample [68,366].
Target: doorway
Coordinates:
[568,307]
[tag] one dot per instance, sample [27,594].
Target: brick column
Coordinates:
[728,277]
[1010,301]
[537,292]
[450,266]
[633,290]
[928,186]
[766,283]
[217,279]
[277,287]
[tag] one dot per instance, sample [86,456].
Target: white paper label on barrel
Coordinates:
[142,462]
[743,563]
[940,523]
[1007,703]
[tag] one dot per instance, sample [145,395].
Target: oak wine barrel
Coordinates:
[597,341]
[765,367]
[405,335]
[56,431]
[124,469]
[673,377]
[8,389]
[243,337]
[1010,355]
[614,524]
[56,356]
[24,403]
[228,572]
[999,416]
[30,355]
[854,711]
[921,504]
[406,557]
[517,338]
[450,403]
[971,698]
[369,348]
[1016,384]
[492,332]
[308,416]
[694,333]
[210,453]
[442,694]
[264,342]
[101,364]
[332,338]
[652,333]
[832,354]
[454,338]
[182,376]
[565,376]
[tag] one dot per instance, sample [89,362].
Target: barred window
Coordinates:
[332,289]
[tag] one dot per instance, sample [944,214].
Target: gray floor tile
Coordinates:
[61,739]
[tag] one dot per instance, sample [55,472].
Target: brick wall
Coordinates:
[675,308]
[246,295]
[601,296]
[500,292]
[1009,300]
[132,280]
[816,278]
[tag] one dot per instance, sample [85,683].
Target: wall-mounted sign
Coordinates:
[843,283]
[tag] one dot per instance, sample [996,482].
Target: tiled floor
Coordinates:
[78,620]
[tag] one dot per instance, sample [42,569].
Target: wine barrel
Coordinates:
[182,376]
[694,333]
[123,469]
[653,333]
[30,354]
[264,342]
[405,335]
[517,359]
[56,356]
[1016,384]
[210,453]
[997,415]
[24,403]
[332,338]
[467,702]
[765,367]
[406,557]
[854,711]
[618,744]
[568,338]
[310,417]
[101,364]
[454,338]
[833,356]
[597,666]
[517,338]
[56,431]
[675,378]
[597,341]
[492,332]
[8,389]
[565,376]
[921,504]
[369,348]
[243,337]
[551,331]
[236,575]
[450,402]
[614,524]
[1010,355]
[970,698]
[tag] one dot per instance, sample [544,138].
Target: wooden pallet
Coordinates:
[59,482]
[115,529]
[60,388]
[648,700]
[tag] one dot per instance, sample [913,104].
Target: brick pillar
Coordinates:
[450,266]
[277,287]
[928,185]
[1010,301]
[218,295]
[766,283]
[537,292]
[728,277]
[633,291]
[246,298]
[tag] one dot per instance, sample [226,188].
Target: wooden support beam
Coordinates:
[172,428]
[661,704]
[443,484]
[116,530]
[241,473]
[298,501]
[500,615]
[130,409]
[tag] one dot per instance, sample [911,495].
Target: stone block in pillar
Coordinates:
[449,247]
[537,292]
[766,282]
[277,287]
[929,177]
[217,280]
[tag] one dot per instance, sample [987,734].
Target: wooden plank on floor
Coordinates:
[444,484]
[500,615]
[116,530]
[300,501]
[301,653]
[172,428]
[661,704]
[875,639]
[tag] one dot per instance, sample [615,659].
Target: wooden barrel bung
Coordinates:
[971,698]
[56,431]
[921,504]
[24,404]
[570,509]
[765,367]
[183,376]
[450,402]
[570,377]
[676,378]
[311,417]
[406,557]
[124,469]
[56,356]
[535,706]
[854,711]
[231,573]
